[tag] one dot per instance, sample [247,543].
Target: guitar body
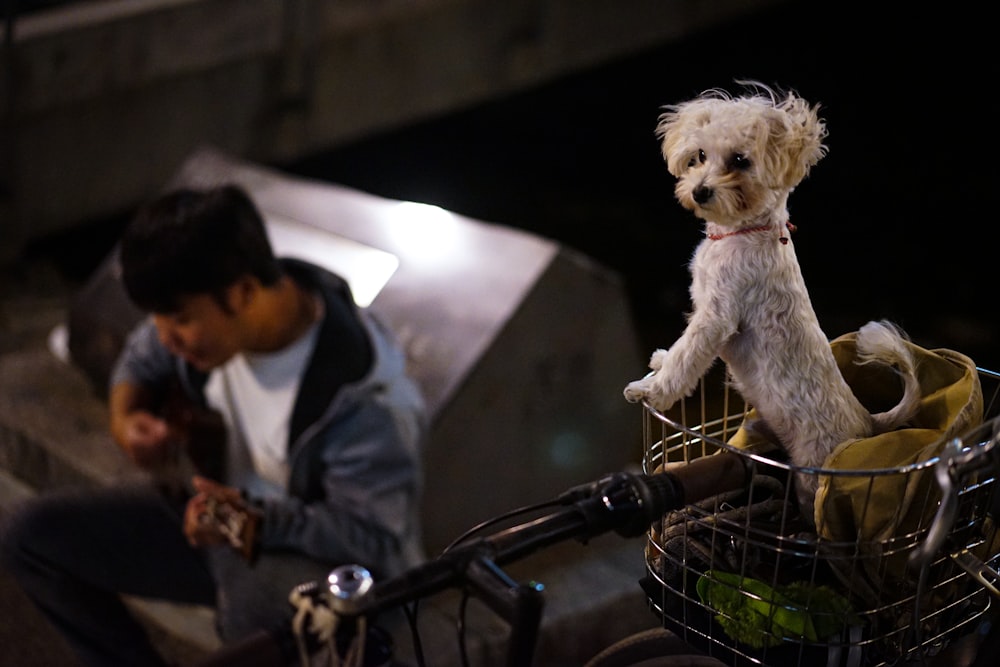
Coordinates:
[200,435]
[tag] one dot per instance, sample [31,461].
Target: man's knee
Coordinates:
[256,597]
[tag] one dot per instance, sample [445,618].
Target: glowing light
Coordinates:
[425,231]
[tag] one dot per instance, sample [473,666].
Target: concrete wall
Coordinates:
[101,100]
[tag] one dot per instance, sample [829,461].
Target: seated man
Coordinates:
[319,464]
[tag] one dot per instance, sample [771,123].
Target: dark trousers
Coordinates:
[75,552]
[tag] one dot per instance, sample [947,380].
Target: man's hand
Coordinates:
[146,439]
[218,514]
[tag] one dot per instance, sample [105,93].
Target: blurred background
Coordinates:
[533,115]
[537,115]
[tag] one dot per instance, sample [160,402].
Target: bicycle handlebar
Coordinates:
[625,503]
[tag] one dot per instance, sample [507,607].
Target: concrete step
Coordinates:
[53,433]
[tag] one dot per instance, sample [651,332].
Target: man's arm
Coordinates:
[138,378]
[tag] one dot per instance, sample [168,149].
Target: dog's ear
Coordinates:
[669,133]
[674,129]
[796,140]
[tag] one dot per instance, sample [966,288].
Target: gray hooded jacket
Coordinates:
[355,439]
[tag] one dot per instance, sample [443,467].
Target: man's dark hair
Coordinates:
[190,242]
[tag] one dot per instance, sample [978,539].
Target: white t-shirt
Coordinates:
[263,385]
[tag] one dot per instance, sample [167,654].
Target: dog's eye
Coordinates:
[739,162]
[697,159]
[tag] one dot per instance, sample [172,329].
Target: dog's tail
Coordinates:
[883,342]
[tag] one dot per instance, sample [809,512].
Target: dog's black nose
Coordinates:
[702,194]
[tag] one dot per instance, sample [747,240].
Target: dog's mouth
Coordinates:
[701,200]
[722,205]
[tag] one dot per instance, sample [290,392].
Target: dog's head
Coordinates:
[737,157]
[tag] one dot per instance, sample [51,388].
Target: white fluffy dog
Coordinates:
[736,159]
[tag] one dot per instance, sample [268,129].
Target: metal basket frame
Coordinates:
[907,612]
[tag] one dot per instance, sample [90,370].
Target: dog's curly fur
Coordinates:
[736,160]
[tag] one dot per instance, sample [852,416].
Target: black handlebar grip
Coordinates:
[707,476]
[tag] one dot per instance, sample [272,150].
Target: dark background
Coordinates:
[896,222]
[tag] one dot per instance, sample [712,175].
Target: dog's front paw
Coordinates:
[636,391]
[640,389]
[648,389]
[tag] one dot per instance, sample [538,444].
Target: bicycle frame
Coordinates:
[625,503]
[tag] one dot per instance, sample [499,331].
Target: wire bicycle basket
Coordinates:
[745,578]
